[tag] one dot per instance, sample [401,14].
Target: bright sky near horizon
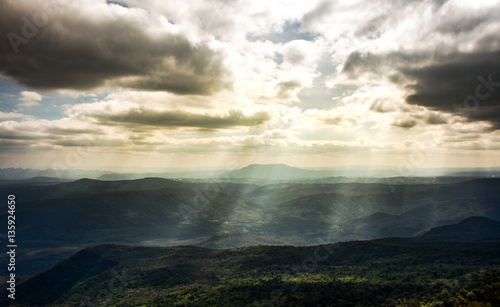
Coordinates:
[220,83]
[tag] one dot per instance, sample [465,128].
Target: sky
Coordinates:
[97,84]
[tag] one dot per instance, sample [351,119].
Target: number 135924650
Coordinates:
[11,219]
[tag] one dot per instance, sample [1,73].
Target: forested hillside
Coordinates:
[386,272]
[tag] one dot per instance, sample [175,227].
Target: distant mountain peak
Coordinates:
[478,221]
[269,166]
[276,171]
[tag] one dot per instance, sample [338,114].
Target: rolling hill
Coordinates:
[380,272]
[55,219]
[276,172]
[473,229]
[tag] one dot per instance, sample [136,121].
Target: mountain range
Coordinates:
[473,229]
[55,219]
[262,172]
[227,240]
[387,269]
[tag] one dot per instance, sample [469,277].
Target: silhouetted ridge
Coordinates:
[118,275]
[479,221]
[48,286]
[471,229]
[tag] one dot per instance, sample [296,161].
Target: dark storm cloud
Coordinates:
[318,13]
[84,143]
[13,146]
[6,134]
[457,23]
[381,106]
[459,83]
[467,84]
[286,87]
[23,137]
[442,79]
[67,50]
[70,131]
[178,119]
[432,118]
[405,124]
[435,119]
[372,27]
[358,63]
[485,113]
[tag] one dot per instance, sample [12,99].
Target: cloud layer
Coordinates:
[319,82]
[61,47]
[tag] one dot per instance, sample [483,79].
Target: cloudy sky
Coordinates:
[222,83]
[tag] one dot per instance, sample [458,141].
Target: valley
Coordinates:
[194,241]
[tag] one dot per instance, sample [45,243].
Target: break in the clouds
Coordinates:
[310,83]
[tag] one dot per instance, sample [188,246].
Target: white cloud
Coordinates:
[29,99]
[11,115]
